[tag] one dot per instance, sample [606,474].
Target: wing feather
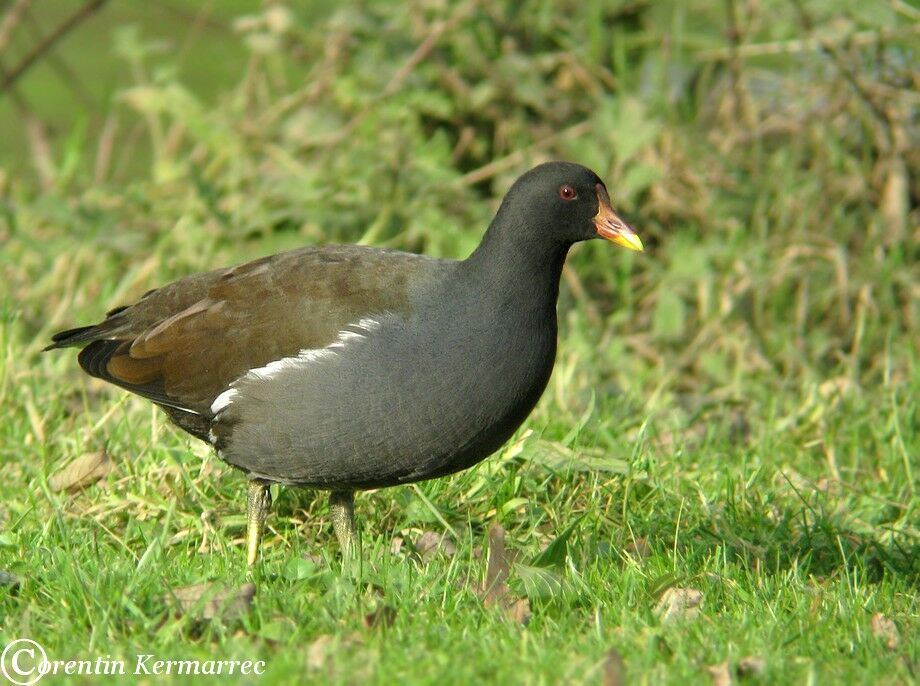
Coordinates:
[182,345]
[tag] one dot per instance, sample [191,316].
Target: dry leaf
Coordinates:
[638,549]
[886,630]
[383,616]
[496,593]
[82,472]
[614,669]
[751,665]
[319,651]
[720,674]
[431,543]
[213,600]
[894,204]
[679,604]
[324,648]
[313,558]
[518,611]
[496,588]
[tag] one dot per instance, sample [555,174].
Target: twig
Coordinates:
[789,47]
[831,51]
[68,76]
[197,24]
[65,27]
[105,148]
[425,47]
[902,7]
[10,20]
[37,137]
[510,161]
[396,81]
[201,15]
[742,104]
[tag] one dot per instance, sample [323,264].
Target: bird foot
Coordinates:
[258,505]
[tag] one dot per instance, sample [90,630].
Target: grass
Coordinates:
[733,412]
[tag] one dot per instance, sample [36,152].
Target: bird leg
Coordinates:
[258,504]
[342,513]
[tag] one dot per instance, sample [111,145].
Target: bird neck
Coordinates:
[514,265]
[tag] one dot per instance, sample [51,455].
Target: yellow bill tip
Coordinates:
[628,239]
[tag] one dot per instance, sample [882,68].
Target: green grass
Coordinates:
[734,411]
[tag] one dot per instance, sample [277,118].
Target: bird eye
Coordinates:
[567,192]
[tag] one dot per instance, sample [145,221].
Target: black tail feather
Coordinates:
[62,339]
[94,358]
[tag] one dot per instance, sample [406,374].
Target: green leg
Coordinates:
[342,513]
[258,505]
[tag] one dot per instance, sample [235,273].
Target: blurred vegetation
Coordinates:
[771,176]
[754,373]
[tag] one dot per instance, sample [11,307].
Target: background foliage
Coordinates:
[733,411]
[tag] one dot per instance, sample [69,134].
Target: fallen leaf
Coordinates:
[383,616]
[499,567]
[614,669]
[323,650]
[720,675]
[495,592]
[396,545]
[638,549]
[519,611]
[82,472]
[739,428]
[318,651]
[315,558]
[885,630]
[751,665]
[679,604]
[431,543]
[213,600]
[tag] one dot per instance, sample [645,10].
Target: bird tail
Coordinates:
[81,334]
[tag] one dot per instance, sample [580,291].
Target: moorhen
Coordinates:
[349,367]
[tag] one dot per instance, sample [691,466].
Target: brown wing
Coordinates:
[183,344]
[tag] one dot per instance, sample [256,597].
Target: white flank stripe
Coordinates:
[273,369]
[369,324]
[224,399]
[352,332]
